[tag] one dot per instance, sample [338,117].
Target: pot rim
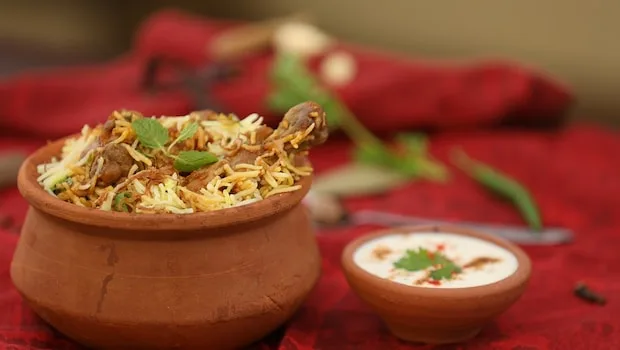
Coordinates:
[519,277]
[38,198]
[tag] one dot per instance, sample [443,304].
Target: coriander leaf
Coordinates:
[440,259]
[445,272]
[188,161]
[150,132]
[422,259]
[415,260]
[188,131]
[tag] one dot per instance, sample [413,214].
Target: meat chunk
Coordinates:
[295,122]
[262,133]
[161,160]
[104,137]
[116,164]
[200,178]
[155,175]
[243,157]
[298,119]
[91,147]
[106,132]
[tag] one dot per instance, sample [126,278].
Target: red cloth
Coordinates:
[572,174]
[574,178]
[388,94]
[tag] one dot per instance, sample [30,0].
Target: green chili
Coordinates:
[502,185]
[119,205]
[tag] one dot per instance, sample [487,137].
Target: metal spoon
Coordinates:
[517,234]
[327,211]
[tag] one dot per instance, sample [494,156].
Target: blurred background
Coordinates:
[574,41]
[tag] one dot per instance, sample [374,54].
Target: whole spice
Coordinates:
[582,291]
[502,185]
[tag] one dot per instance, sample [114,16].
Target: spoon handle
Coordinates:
[517,234]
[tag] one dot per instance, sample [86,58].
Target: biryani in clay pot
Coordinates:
[170,232]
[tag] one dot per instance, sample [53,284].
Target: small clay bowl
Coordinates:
[215,280]
[436,315]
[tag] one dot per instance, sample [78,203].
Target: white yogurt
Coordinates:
[377,257]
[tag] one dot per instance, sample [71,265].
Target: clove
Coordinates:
[583,292]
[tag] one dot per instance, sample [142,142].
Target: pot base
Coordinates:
[95,334]
[414,334]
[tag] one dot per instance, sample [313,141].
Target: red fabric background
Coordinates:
[571,172]
[389,93]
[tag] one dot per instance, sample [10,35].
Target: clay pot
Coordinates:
[436,315]
[216,280]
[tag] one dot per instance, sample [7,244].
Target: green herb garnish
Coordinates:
[417,260]
[445,272]
[295,84]
[150,132]
[188,131]
[188,161]
[503,185]
[153,135]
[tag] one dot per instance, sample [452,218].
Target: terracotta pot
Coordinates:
[436,315]
[214,280]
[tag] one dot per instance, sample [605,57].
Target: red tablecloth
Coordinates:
[572,173]
[389,93]
[574,178]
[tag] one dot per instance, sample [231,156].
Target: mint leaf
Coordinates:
[188,131]
[445,272]
[150,132]
[188,161]
[415,260]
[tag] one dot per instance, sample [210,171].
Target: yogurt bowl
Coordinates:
[436,284]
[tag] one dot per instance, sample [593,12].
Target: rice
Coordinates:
[153,184]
